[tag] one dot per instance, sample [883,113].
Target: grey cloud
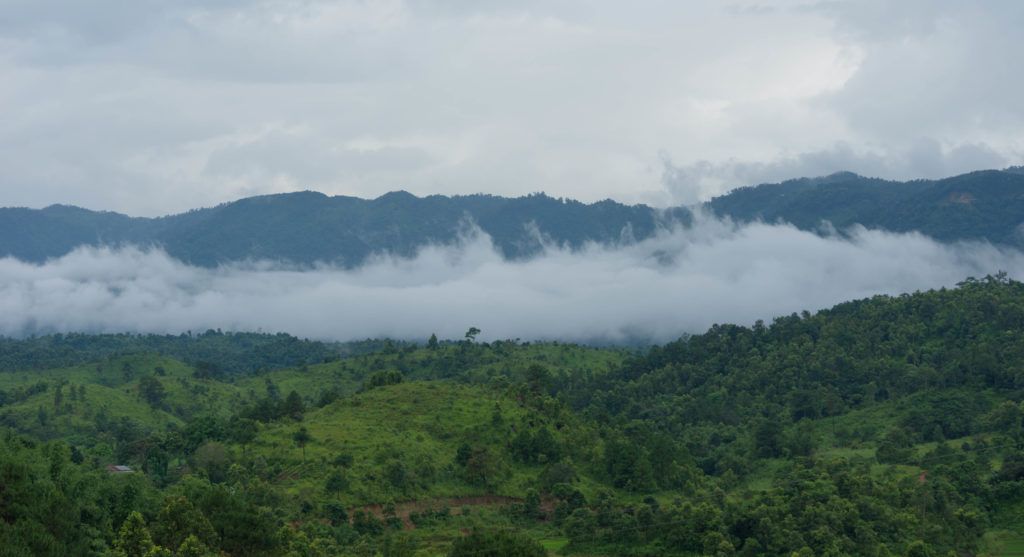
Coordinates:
[877,20]
[151,107]
[310,159]
[947,70]
[679,282]
[291,41]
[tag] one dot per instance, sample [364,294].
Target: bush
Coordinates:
[382,379]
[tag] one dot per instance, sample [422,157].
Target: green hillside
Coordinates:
[981,206]
[305,228]
[887,426]
[310,227]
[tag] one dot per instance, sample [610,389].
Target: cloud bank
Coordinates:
[681,281]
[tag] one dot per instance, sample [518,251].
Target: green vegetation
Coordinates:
[213,353]
[886,426]
[984,205]
[347,229]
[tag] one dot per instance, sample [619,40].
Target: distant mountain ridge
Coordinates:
[983,205]
[307,227]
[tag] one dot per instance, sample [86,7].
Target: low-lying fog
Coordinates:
[680,281]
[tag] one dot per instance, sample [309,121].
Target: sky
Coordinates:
[151,107]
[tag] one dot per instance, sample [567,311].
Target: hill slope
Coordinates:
[308,227]
[984,205]
[885,426]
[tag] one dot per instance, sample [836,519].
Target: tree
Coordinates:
[335,512]
[768,438]
[432,343]
[133,539]
[367,523]
[918,548]
[207,370]
[463,453]
[273,392]
[193,547]
[212,457]
[537,378]
[1005,418]
[561,472]
[301,438]
[471,334]
[396,473]
[242,431]
[179,521]
[1012,469]
[76,455]
[152,390]
[481,467]
[58,397]
[382,378]
[531,505]
[293,406]
[896,447]
[628,466]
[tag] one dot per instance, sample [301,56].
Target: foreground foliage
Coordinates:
[887,426]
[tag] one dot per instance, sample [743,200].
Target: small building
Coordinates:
[119,469]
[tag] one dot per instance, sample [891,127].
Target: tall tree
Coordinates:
[301,438]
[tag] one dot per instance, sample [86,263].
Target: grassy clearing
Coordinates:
[554,545]
[1002,543]
[413,431]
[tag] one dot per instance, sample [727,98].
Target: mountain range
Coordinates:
[305,228]
[986,205]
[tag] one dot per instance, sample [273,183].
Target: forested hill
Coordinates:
[889,426]
[984,205]
[309,227]
[216,353]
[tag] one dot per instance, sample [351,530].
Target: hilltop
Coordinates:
[306,228]
[982,206]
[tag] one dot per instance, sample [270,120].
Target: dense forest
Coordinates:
[213,351]
[981,206]
[306,228]
[883,426]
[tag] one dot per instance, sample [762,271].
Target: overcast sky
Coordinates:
[150,107]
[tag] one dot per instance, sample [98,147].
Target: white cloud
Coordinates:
[679,282]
